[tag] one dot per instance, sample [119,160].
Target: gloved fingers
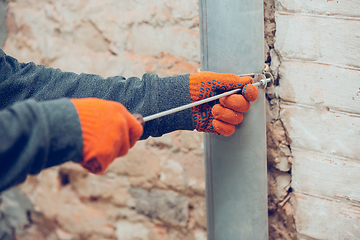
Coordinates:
[129,129]
[92,165]
[202,117]
[235,81]
[223,128]
[116,131]
[227,78]
[206,84]
[122,142]
[226,115]
[231,80]
[235,102]
[250,92]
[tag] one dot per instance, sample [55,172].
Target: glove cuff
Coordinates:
[89,126]
[87,117]
[194,87]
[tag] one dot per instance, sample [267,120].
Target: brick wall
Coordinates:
[318,45]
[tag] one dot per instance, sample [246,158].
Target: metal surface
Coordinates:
[3,27]
[263,82]
[232,41]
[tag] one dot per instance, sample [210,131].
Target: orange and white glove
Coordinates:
[215,117]
[109,131]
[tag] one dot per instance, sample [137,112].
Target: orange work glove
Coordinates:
[220,118]
[108,129]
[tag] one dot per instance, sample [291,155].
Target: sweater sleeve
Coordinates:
[36,135]
[147,96]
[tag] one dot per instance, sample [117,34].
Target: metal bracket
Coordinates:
[265,78]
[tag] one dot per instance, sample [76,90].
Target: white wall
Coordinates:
[319,46]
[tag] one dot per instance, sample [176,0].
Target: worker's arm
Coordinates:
[149,95]
[36,135]
[33,132]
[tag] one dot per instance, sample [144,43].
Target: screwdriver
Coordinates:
[142,120]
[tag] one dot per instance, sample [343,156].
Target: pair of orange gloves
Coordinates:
[110,130]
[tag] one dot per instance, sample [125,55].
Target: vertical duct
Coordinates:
[3,29]
[232,41]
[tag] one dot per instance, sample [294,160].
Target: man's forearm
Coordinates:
[36,135]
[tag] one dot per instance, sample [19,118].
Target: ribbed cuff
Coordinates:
[65,131]
[194,87]
[174,92]
[88,122]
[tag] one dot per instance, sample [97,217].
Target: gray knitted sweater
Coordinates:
[40,128]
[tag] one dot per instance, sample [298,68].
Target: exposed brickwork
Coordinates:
[281,218]
[317,52]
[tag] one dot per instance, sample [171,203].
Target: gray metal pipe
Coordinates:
[232,41]
[3,27]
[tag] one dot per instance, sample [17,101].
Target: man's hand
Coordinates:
[108,129]
[220,117]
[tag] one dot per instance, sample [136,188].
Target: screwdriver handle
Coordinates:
[139,118]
